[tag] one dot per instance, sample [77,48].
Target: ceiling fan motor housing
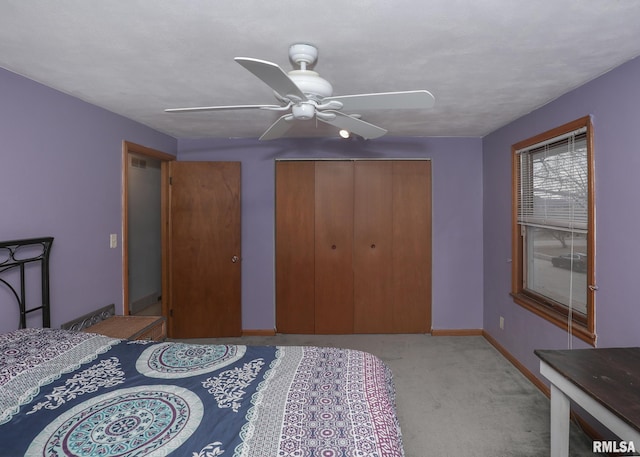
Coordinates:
[311,84]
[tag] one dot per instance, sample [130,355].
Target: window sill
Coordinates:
[558,319]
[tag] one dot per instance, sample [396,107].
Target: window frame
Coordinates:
[550,310]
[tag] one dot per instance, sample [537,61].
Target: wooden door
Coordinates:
[333,247]
[373,245]
[295,251]
[205,250]
[411,246]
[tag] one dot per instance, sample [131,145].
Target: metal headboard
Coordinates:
[17,254]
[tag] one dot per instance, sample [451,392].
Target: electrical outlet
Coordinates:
[501,323]
[113,240]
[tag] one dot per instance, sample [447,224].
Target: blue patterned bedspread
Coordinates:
[79,394]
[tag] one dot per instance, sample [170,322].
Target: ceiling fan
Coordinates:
[303,95]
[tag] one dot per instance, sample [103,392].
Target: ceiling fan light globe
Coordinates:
[311,83]
[303,111]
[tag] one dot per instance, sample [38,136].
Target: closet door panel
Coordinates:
[295,270]
[372,255]
[412,246]
[333,247]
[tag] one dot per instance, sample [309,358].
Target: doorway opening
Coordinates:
[144,235]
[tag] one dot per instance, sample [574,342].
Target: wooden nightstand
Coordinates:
[131,327]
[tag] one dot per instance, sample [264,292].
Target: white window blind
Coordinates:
[553,183]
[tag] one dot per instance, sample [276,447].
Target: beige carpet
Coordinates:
[456,396]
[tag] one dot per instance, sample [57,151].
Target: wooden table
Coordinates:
[131,327]
[605,382]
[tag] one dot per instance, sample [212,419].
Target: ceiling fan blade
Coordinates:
[353,125]
[274,76]
[413,99]
[222,108]
[279,128]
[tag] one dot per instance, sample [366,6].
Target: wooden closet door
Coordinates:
[412,246]
[333,247]
[373,246]
[295,252]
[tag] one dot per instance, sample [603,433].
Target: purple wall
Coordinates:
[457,215]
[613,101]
[60,176]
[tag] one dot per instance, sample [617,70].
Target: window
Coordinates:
[553,230]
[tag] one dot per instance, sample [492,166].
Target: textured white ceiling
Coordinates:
[487,62]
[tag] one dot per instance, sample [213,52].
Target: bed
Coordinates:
[78,393]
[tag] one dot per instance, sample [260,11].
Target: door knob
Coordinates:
[234,259]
